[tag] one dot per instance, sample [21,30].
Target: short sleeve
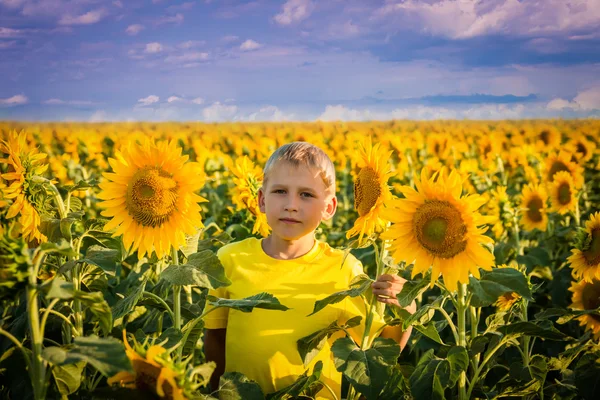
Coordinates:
[217,319]
[358,306]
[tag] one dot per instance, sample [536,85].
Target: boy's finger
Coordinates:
[387,277]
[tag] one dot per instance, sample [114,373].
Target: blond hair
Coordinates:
[303,154]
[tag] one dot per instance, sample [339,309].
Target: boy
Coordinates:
[298,193]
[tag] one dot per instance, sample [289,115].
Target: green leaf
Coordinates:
[531,329]
[536,256]
[96,304]
[190,344]
[422,316]
[410,291]
[68,377]
[538,368]
[62,247]
[430,377]
[495,283]
[459,362]
[358,287]
[58,288]
[309,346]
[262,300]
[564,315]
[103,257]
[202,269]
[366,370]
[587,376]
[81,185]
[303,384]
[127,304]
[107,355]
[236,386]
[430,331]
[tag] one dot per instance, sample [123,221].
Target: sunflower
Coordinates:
[371,190]
[508,299]
[582,149]
[153,372]
[563,195]
[436,226]
[585,260]
[533,208]
[562,161]
[247,181]
[586,296]
[499,209]
[150,196]
[547,138]
[23,165]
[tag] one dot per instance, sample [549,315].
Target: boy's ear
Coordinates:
[261,200]
[330,208]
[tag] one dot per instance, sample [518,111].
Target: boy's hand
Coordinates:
[386,287]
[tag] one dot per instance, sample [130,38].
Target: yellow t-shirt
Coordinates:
[262,344]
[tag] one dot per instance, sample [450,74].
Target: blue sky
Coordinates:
[226,60]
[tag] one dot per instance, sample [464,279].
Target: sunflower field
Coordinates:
[109,233]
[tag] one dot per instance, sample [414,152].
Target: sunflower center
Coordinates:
[545,137]
[590,295]
[533,209]
[440,229]
[581,149]
[367,190]
[592,254]
[151,196]
[557,166]
[564,193]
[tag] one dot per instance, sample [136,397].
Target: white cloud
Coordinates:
[198,100]
[589,99]
[187,57]
[585,100]
[10,33]
[219,112]
[480,111]
[230,38]
[7,44]
[174,99]
[98,116]
[191,44]
[294,11]
[57,102]
[560,104]
[146,101]
[346,30]
[14,100]
[250,45]
[465,19]
[90,17]
[270,113]
[134,29]
[118,4]
[153,47]
[12,3]
[171,19]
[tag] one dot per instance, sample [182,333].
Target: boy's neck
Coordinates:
[282,249]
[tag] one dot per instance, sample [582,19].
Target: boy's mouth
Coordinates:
[289,220]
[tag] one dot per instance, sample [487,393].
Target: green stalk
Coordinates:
[38,366]
[474,322]
[176,301]
[483,364]
[462,336]
[366,339]
[525,338]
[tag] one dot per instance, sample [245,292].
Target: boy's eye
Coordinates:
[306,194]
[279,191]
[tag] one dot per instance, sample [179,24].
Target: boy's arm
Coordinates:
[396,332]
[385,288]
[214,350]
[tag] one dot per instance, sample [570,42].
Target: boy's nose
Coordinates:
[291,206]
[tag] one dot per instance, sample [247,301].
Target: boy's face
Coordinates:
[295,201]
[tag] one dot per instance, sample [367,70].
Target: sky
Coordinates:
[298,60]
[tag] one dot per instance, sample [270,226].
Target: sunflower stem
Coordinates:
[62,210]
[462,338]
[474,323]
[525,338]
